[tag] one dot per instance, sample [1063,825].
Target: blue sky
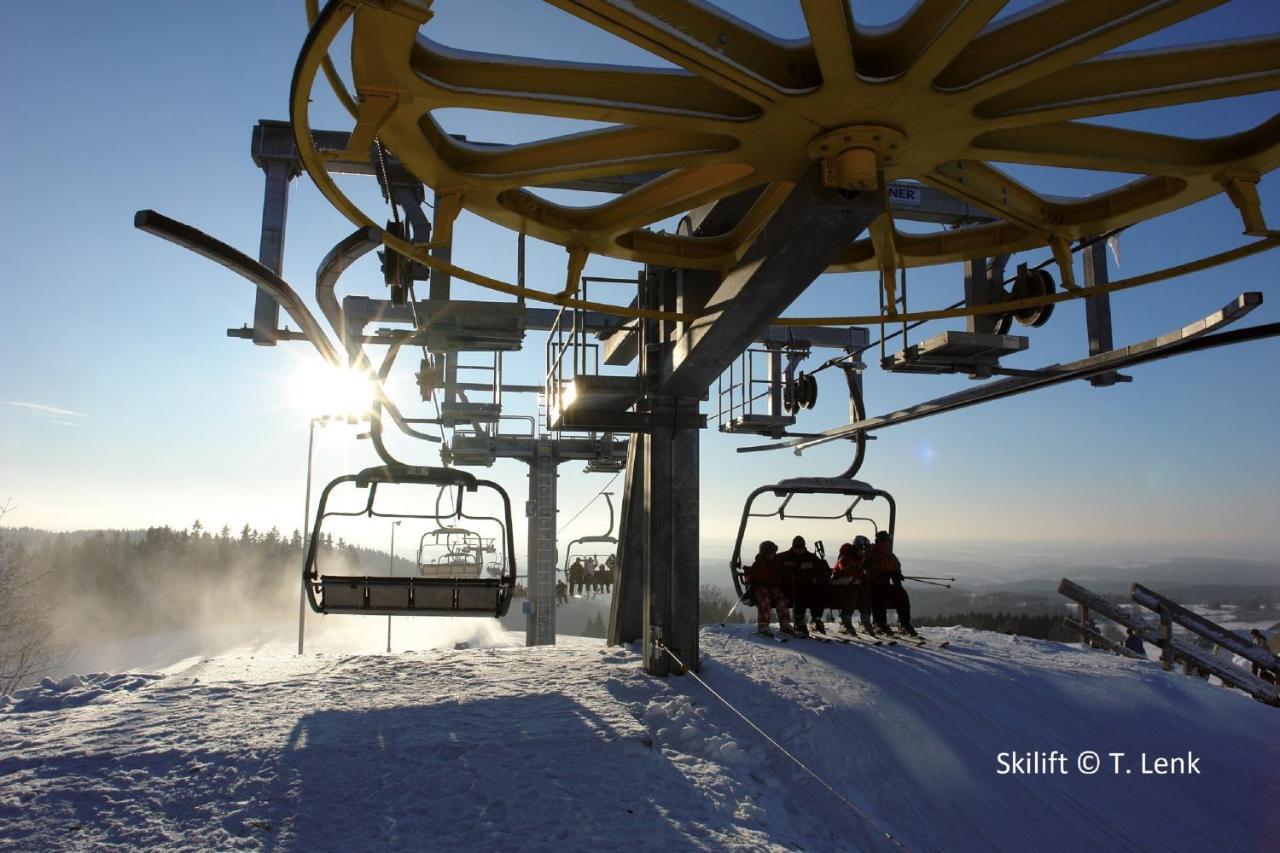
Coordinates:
[116,107]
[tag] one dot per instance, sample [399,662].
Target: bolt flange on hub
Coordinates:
[851,157]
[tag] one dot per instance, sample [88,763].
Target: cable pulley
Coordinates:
[1033,284]
[800,393]
[809,390]
[430,377]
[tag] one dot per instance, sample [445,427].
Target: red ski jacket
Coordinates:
[765,572]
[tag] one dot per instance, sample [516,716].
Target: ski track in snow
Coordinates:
[572,747]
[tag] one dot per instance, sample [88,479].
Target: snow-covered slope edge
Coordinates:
[573,748]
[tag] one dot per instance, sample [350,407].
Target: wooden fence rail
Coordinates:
[1172,647]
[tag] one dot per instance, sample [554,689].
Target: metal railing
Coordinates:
[745,383]
[569,355]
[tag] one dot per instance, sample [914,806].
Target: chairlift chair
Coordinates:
[607,539]
[430,595]
[858,491]
[451,552]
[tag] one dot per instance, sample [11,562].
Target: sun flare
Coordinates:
[320,389]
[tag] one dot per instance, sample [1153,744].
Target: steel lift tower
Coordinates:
[784,160]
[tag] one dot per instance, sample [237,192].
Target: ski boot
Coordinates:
[819,627]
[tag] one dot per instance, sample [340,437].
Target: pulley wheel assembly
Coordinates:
[1033,284]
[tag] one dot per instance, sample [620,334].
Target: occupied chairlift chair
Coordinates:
[409,596]
[608,538]
[857,490]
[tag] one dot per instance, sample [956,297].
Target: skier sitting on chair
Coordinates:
[765,580]
[886,586]
[576,572]
[810,575]
[848,590]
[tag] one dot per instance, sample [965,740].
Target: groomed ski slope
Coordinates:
[572,748]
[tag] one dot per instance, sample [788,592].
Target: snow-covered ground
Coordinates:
[572,747]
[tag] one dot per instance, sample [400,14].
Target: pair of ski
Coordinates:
[784,637]
[893,640]
[860,639]
[917,640]
[857,639]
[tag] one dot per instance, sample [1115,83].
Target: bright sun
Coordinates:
[321,389]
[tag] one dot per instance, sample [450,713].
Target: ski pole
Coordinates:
[730,613]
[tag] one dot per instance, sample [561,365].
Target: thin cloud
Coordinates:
[44,410]
[67,423]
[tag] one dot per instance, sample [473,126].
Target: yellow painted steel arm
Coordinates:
[955,89]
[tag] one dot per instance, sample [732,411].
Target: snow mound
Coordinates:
[72,691]
[572,747]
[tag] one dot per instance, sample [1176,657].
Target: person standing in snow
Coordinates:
[1134,643]
[765,578]
[886,586]
[562,593]
[1260,640]
[848,584]
[810,575]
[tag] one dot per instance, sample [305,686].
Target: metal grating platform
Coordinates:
[457,325]
[595,401]
[955,352]
[756,424]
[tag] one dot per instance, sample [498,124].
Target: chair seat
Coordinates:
[414,596]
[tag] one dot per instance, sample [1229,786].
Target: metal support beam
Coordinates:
[775,377]
[275,210]
[626,616]
[910,201]
[797,245]
[1097,312]
[540,628]
[670,531]
[440,280]
[977,291]
[1191,338]
[362,309]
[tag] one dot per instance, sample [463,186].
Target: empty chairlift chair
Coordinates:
[450,552]
[451,586]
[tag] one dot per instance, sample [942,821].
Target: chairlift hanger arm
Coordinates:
[181,234]
[349,250]
[197,241]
